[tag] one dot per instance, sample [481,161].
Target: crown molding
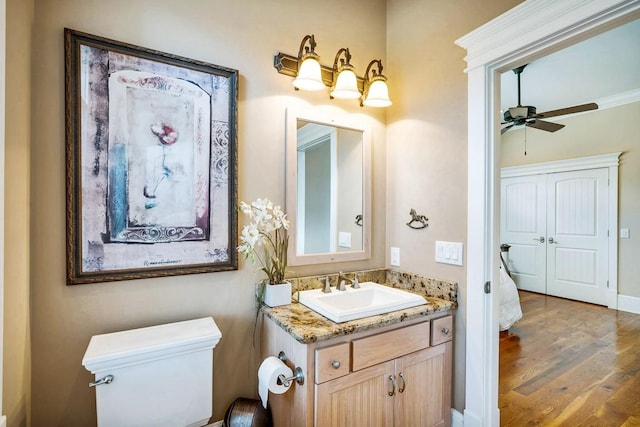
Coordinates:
[618,99]
[580,163]
[526,27]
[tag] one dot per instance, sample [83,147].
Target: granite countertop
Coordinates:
[307,326]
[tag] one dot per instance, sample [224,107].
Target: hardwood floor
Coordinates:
[568,363]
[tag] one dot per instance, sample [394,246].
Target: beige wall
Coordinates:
[600,132]
[241,34]
[425,160]
[427,138]
[17,348]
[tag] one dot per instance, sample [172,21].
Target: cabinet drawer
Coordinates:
[332,362]
[442,330]
[379,348]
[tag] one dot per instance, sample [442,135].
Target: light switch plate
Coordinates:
[624,233]
[394,257]
[449,252]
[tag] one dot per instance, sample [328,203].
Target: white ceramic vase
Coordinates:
[275,295]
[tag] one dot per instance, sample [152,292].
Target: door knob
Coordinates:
[551,241]
[539,239]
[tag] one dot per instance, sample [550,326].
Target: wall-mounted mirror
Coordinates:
[328,185]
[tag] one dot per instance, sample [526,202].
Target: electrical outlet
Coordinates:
[344,239]
[395,257]
[624,233]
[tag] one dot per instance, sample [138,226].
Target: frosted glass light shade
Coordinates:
[518,112]
[309,75]
[346,85]
[378,95]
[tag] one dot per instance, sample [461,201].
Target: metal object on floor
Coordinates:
[245,412]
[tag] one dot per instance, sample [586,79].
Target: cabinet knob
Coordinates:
[445,331]
[335,364]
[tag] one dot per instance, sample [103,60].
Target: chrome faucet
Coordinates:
[355,284]
[342,280]
[327,285]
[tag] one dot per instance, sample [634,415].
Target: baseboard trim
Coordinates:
[629,303]
[457,419]
[471,419]
[3,421]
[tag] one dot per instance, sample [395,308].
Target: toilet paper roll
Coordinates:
[268,373]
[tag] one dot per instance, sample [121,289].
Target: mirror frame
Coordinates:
[291,180]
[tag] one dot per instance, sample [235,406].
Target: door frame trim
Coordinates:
[609,161]
[523,34]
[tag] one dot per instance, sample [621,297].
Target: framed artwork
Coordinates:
[151,162]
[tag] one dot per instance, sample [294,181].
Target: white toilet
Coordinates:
[156,376]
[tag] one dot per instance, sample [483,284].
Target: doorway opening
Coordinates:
[519,36]
[559,219]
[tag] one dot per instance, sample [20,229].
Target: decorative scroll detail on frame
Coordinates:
[161,234]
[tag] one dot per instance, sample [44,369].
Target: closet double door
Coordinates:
[557,227]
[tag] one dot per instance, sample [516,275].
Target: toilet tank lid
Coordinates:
[133,346]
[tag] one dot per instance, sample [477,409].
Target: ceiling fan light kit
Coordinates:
[526,115]
[520,112]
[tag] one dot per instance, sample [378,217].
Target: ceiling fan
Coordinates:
[526,115]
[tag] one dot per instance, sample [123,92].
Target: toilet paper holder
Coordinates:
[298,375]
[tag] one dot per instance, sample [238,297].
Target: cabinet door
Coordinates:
[424,388]
[360,399]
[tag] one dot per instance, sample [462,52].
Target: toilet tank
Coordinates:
[161,375]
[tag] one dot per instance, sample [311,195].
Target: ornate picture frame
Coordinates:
[151,162]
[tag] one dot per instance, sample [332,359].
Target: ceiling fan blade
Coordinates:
[504,129]
[569,110]
[542,125]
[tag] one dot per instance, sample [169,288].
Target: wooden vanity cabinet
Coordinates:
[396,376]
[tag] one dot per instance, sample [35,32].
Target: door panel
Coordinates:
[577,254]
[523,223]
[569,211]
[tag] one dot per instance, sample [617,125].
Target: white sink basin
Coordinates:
[369,300]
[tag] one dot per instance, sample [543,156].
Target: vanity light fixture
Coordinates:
[376,92]
[309,76]
[345,79]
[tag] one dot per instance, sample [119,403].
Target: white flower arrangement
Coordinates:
[267,229]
